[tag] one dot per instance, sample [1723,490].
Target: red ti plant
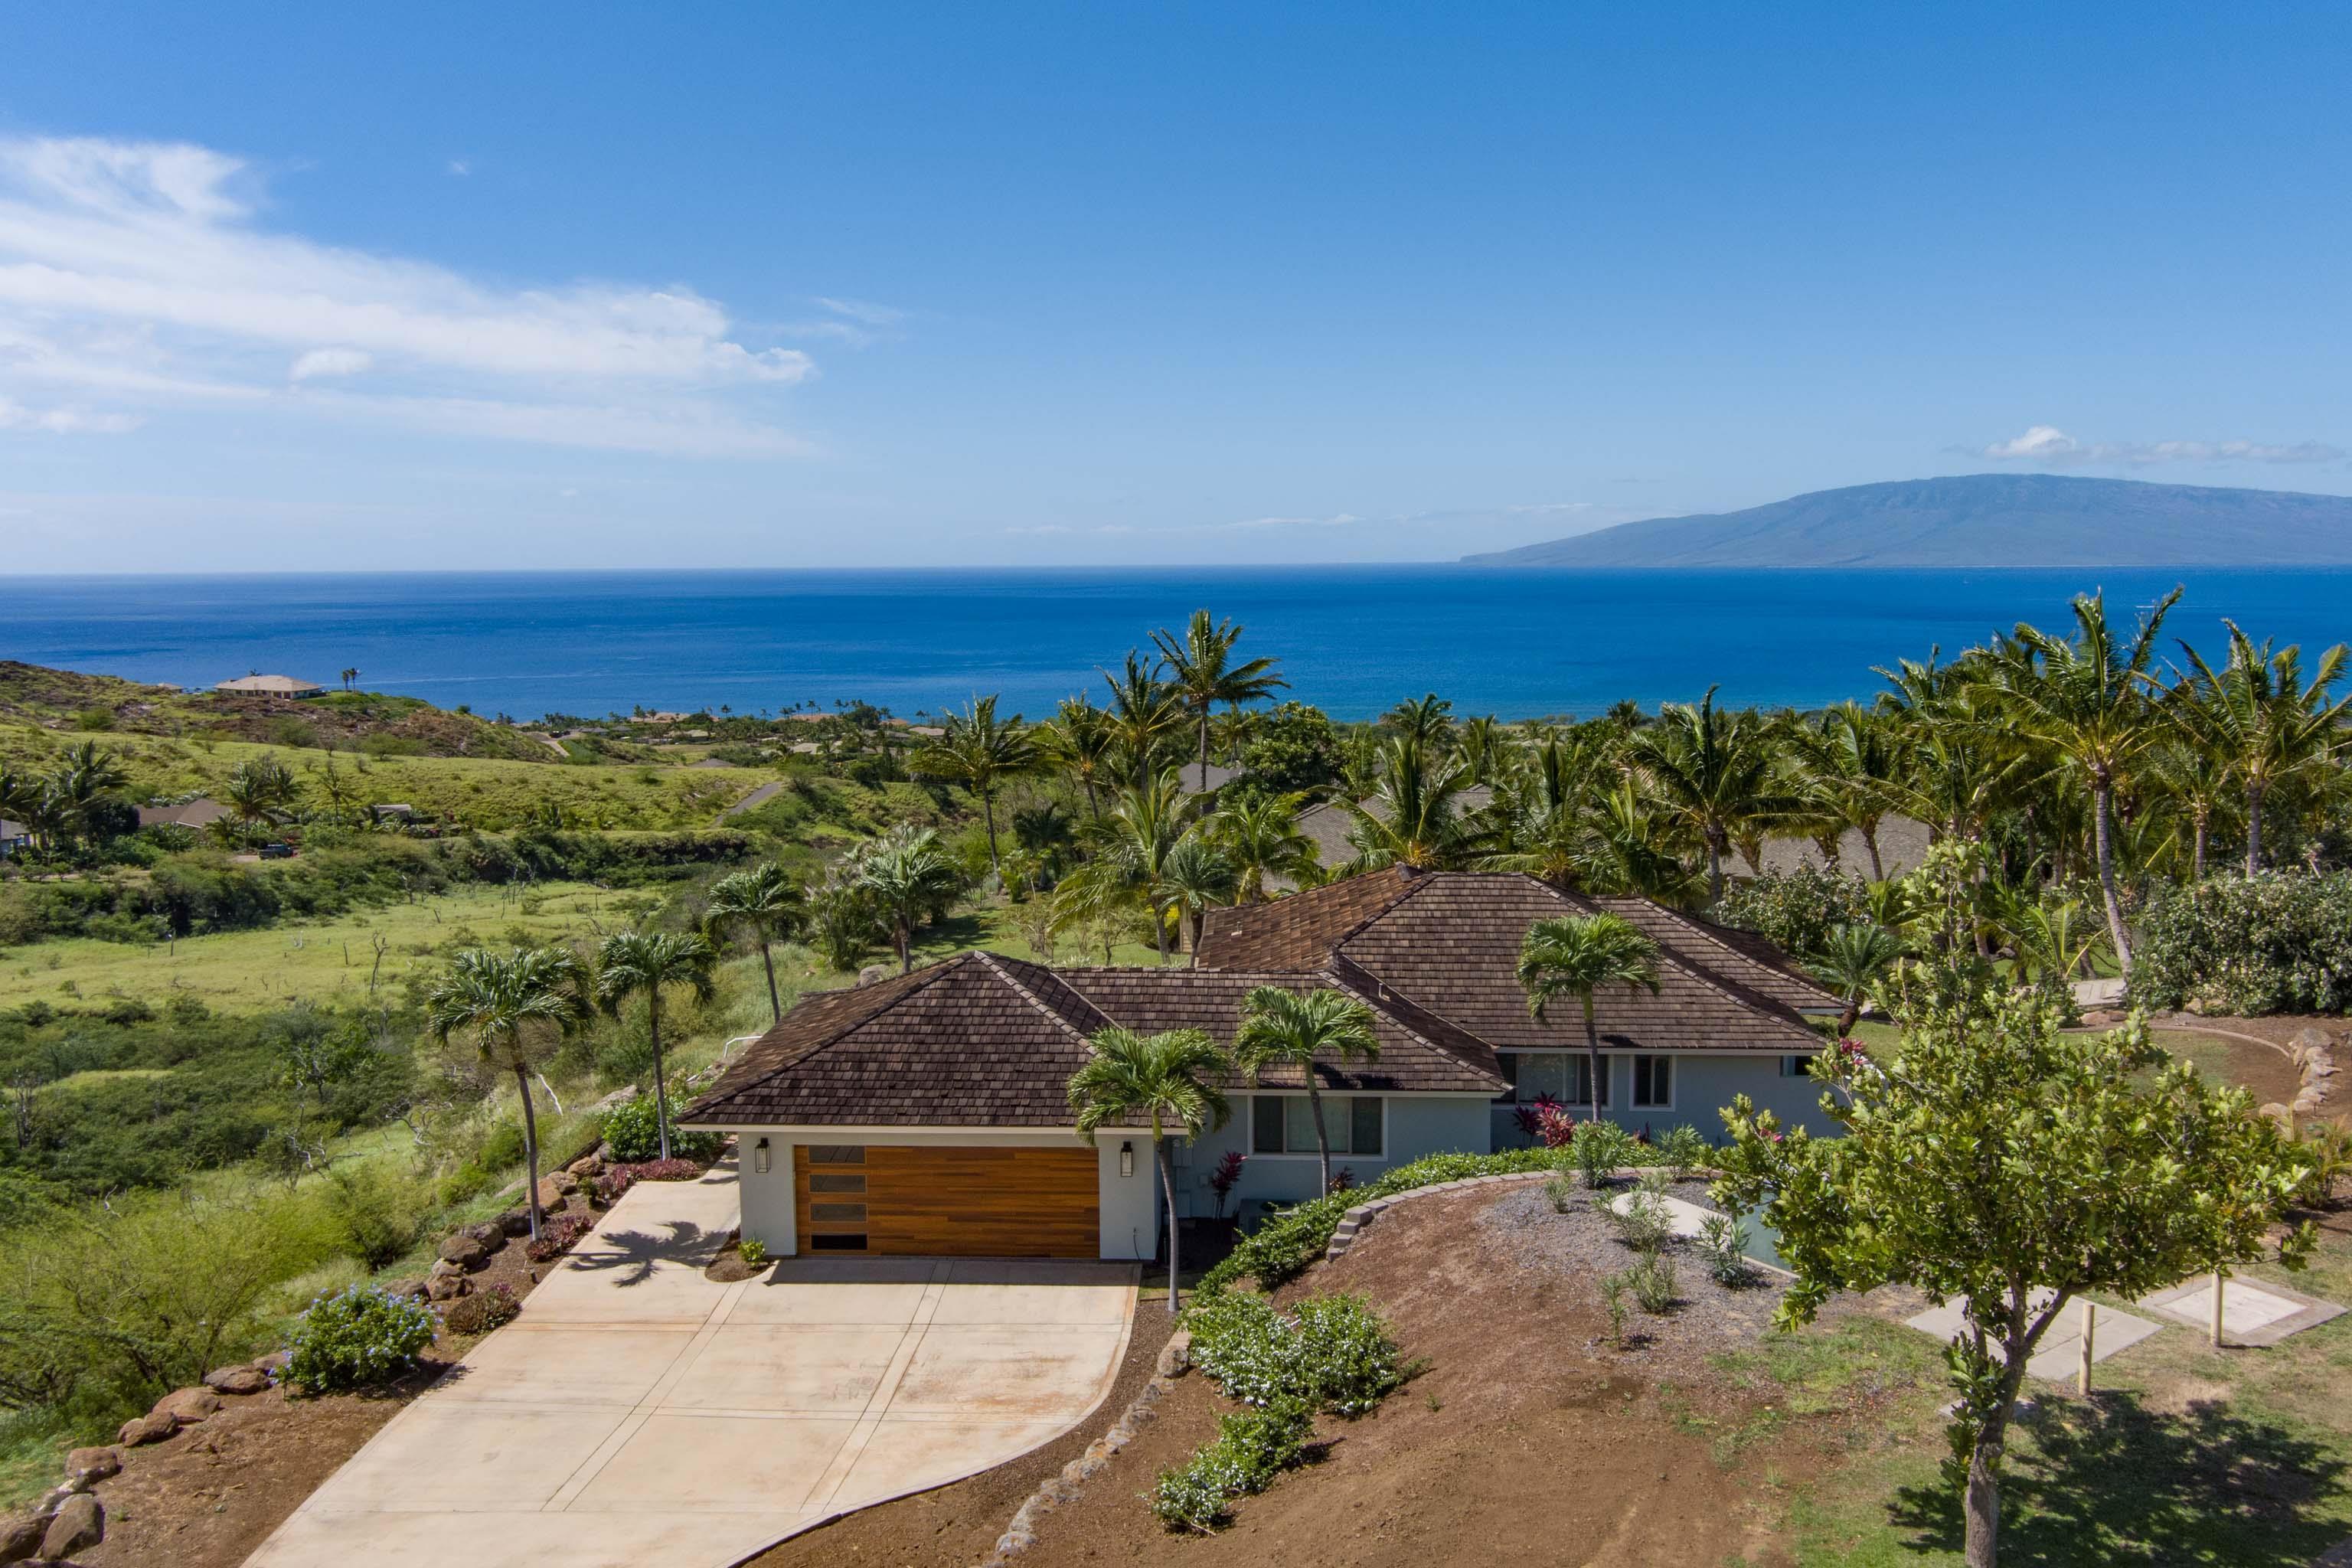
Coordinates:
[1223,1180]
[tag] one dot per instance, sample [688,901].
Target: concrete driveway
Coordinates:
[638,1413]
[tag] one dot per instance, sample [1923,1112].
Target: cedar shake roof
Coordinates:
[981,1040]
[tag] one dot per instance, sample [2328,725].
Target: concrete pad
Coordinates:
[586,1289]
[1093,1304]
[811,1370]
[443,1456]
[552,1364]
[2060,1354]
[516,1541]
[757,1464]
[903,1457]
[2255,1313]
[846,1305]
[1007,1372]
[1683,1217]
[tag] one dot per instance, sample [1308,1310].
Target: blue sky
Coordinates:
[603,286]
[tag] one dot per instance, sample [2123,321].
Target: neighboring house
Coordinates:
[1902,848]
[1197,780]
[925,1113]
[199,814]
[392,811]
[272,686]
[15,837]
[1329,822]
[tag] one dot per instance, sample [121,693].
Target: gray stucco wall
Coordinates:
[1417,1125]
[1704,1086]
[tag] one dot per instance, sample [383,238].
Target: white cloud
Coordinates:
[140,272]
[459,167]
[63,421]
[2048,445]
[330,361]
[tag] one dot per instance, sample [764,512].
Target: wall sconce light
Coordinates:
[1126,1159]
[760,1156]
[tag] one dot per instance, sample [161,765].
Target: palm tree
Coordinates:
[1485,749]
[630,963]
[1202,675]
[1142,710]
[1081,739]
[1197,877]
[2196,778]
[2051,937]
[1576,955]
[2086,698]
[1412,818]
[2271,724]
[1134,847]
[510,1006]
[1164,1078]
[764,901]
[1260,836]
[909,878]
[1714,771]
[982,753]
[1292,1028]
[1847,763]
[261,790]
[1854,961]
[1427,721]
[351,673]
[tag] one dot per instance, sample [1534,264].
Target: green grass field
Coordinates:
[323,960]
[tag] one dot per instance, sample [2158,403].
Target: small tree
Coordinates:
[632,962]
[1292,1028]
[1856,959]
[514,1007]
[1996,1157]
[1166,1078]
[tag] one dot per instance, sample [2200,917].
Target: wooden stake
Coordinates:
[2219,1277]
[2090,1328]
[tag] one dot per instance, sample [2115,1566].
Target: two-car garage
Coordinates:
[880,1200]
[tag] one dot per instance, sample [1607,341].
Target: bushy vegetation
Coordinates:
[1250,1449]
[633,1129]
[1796,911]
[2278,942]
[355,1339]
[482,1311]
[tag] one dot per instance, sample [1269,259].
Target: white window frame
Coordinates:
[1250,1140]
[1633,1100]
[1578,1059]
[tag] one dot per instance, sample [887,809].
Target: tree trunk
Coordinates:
[903,932]
[661,1089]
[1982,1545]
[1160,931]
[1846,1018]
[2196,866]
[1714,867]
[768,963]
[1205,748]
[2253,829]
[1322,1140]
[1168,1193]
[2100,790]
[530,1147]
[1592,1055]
[1870,842]
[988,810]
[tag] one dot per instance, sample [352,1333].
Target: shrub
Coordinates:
[1613,1301]
[1796,910]
[2278,942]
[380,1217]
[1654,1283]
[1250,1447]
[360,1338]
[482,1311]
[619,1179]
[1640,1222]
[1560,1188]
[1329,1353]
[1686,1150]
[1600,1148]
[633,1130]
[754,1251]
[1723,1242]
[557,1236]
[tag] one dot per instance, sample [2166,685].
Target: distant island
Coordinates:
[1979,519]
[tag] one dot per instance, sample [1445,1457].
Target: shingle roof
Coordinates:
[1902,846]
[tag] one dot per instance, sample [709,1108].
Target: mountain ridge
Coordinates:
[1977,520]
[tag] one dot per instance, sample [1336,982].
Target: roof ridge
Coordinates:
[1415,881]
[995,964]
[1714,932]
[1381,1000]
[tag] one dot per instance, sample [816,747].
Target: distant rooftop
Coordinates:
[272,686]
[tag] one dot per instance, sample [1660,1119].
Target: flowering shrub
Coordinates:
[1329,1353]
[361,1336]
[1250,1449]
[1537,1118]
[2278,942]
[633,1130]
[482,1311]
[1343,1180]
[1225,1178]
[619,1179]
[557,1236]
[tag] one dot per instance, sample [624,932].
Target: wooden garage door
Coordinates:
[961,1202]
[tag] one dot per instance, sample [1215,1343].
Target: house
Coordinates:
[15,837]
[271,686]
[1199,780]
[199,814]
[925,1113]
[1902,849]
[1328,824]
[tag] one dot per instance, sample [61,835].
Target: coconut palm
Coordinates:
[982,753]
[1847,761]
[1197,879]
[2086,698]
[630,964]
[1201,674]
[2271,724]
[909,878]
[1081,740]
[2053,937]
[1260,836]
[262,790]
[1577,955]
[1485,749]
[351,673]
[1166,1080]
[1294,1028]
[1856,959]
[1714,772]
[1143,711]
[1427,721]
[2196,780]
[763,901]
[843,923]
[1413,816]
[1134,846]
[514,1007]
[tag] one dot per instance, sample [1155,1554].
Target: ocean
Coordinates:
[1354,639]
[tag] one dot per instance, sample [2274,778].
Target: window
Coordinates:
[1654,1083]
[1285,1124]
[1795,1066]
[1564,1075]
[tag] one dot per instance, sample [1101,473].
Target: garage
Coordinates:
[961,1202]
